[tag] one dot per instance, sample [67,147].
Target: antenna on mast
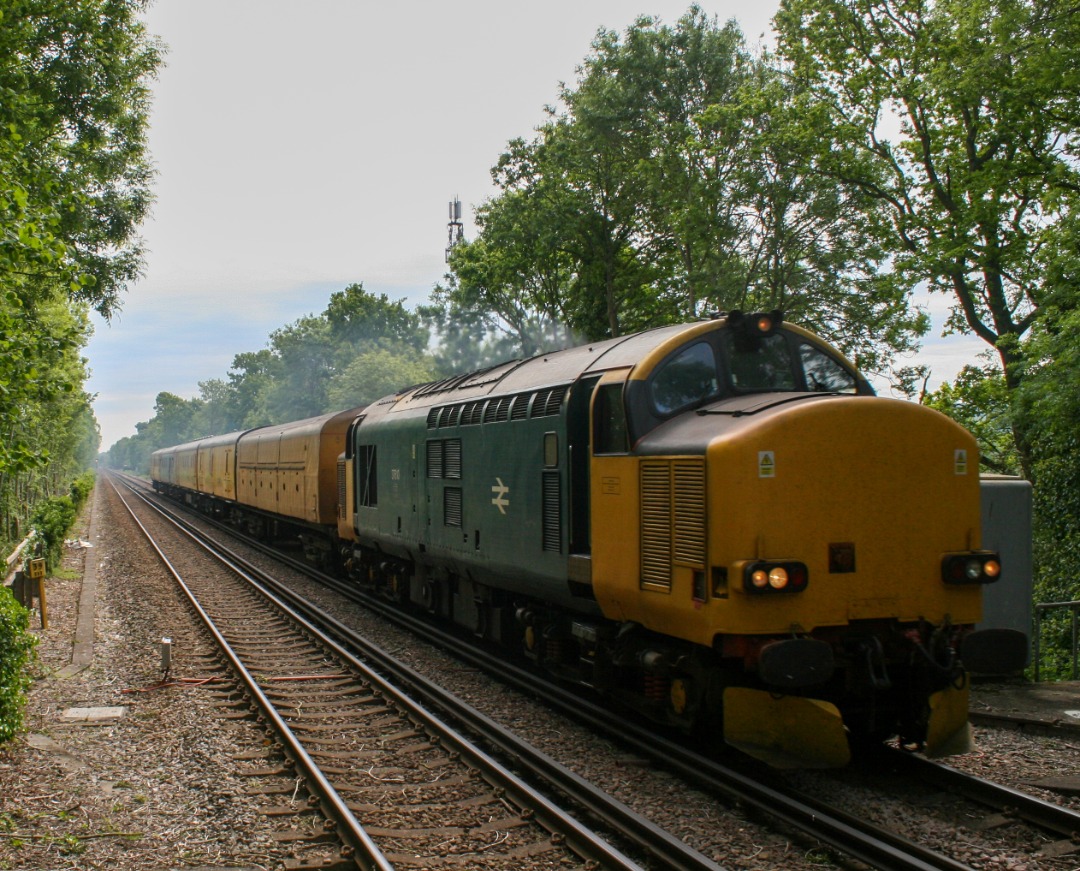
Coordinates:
[456,232]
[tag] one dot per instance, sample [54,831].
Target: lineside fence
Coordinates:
[1074,619]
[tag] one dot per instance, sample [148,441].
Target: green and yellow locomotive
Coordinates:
[717,524]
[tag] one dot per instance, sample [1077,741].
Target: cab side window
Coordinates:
[609,415]
[823,373]
[686,379]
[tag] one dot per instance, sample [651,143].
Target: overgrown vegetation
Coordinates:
[54,517]
[16,656]
[74,184]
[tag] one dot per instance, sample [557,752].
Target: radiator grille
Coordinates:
[672,518]
[552,514]
[689,504]
[656,524]
[548,402]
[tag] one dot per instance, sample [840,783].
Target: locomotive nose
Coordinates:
[872,493]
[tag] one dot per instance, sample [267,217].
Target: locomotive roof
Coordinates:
[545,370]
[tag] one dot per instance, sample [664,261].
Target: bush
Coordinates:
[16,656]
[52,519]
[81,488]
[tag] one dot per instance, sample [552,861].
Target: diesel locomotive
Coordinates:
[717,524]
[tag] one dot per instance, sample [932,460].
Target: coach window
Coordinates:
[687,379]
[610,421]
[825,374]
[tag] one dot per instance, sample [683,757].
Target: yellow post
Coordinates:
[36,573]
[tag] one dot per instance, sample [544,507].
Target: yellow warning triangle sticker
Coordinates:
[766,464]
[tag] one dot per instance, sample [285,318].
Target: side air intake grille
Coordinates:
[656,525]
[689,502]
[341,498]
[452,506]
[434,459]
[552,515]
[452,458]
[672,518]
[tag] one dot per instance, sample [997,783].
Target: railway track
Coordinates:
[427,796]
[855,837]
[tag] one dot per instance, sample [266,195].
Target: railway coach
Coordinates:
[277,482]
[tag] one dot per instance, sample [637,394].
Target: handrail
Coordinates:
[10,561]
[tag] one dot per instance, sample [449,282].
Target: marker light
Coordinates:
[775,577]
[979,567]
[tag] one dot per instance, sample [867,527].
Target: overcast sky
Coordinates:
[302,148]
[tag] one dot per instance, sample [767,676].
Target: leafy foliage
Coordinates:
[74,176]
[74,182]
[360,348]
[52,519]
[981,178]
[16,656]
[678,178]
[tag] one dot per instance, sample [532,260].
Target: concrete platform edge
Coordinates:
[82,654]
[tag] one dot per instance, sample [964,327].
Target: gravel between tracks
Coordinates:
[162,787]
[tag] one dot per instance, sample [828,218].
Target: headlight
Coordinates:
[775,577]
[979,567]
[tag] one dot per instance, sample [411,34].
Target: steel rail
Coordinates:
[877,847]
[579,839]
[1046,815]
[366,853]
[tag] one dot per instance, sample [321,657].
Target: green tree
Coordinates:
[74,173]
[676,179]
[978,399]
[376,373]
[74,183]
[960,118]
